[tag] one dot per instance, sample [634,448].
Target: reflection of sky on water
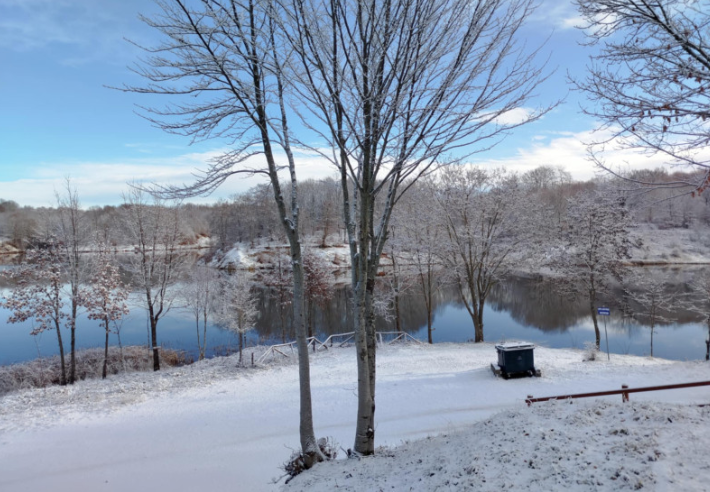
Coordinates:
[684,341]
[175,330]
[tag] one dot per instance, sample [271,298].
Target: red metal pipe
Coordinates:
[624,391]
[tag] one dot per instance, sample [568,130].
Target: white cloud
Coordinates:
[514,116]
[102,183]
[561,14]
[569,150]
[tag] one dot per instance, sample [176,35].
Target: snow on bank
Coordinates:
[550,447]
[212,426]
[674,246]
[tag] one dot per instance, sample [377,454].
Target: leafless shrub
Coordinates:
[297,463]
[591,351]
[40,373]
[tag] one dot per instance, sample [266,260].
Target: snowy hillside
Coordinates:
[580,446]
[212,426]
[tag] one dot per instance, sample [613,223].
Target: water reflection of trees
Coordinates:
[530,302]
[537,303]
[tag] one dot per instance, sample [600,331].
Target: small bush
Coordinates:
[591,352]
[40,373]
[297,463]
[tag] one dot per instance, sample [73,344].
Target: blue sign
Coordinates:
[603,311]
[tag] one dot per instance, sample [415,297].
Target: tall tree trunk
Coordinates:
[106,326]
[199,345]
[652,327]
[597,333]
[203,352]
[397,315]
[395,280]
[309,446]
[72,356]
[63,377]
[364,429]
[478,323]
[429,298]
[241,345]
[281,317]
[154,343]
[153,330]
[430,337]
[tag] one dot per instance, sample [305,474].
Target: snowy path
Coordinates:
[232,432]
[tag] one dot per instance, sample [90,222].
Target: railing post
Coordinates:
[625,394]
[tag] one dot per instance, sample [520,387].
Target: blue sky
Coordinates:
[58,118]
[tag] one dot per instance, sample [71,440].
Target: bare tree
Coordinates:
[552,186]
[72,236]
[594,242]
[699,302]
[318,288]
[650,81]
[105,296]
[236,309]
[488,221]
[395,88]
[198,295]
[154,232]
[654,301]
[398,281]
[280,280]
[231,54]
[422,234]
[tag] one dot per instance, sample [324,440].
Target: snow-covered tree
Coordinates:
[654,301]
[280,281]
[649,81]
[233,55]
[318,288]
[38,295]
[488,222]
[71,232]
[593,244]
[154,232]
[198,295]
[421,235]
[105,295]
[236,308]
[398,281]
[699,302]
[394,89]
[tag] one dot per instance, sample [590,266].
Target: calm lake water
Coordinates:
[518,309]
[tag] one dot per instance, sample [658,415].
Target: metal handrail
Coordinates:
[349,336]
[400,335]
[317,344]
[624,392]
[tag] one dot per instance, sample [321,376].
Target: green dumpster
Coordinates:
[516,359]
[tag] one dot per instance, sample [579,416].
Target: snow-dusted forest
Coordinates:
[399,100]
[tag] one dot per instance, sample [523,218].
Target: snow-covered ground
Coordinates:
[657,246]
[673,246]
[211,426]
[244,256]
